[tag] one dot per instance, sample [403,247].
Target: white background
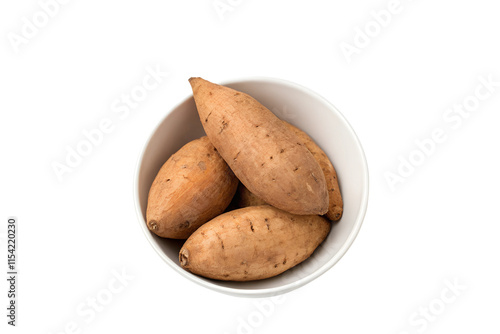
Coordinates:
[440,224]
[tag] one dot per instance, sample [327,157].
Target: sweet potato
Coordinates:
[265,155]
[252,243]
[192,187]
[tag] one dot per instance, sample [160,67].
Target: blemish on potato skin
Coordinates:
[236,157]
[202,165]
[282,150]
[284,261]
[206,119]
[276,265]
[251,227]
[220,239]
[314,177]
[224,126]
[153,225]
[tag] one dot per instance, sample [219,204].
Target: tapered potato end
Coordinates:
[196,82]
[184,258]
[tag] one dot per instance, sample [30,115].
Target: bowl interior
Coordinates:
[307,111]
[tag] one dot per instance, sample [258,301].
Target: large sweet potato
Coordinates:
[252,243]
[266,156]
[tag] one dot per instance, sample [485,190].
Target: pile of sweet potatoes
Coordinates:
[278,188]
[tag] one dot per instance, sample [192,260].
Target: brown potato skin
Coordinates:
[266,156]
[245,197]
[192,187]
[252,243]
[336,204]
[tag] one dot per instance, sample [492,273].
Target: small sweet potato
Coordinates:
[252,243]
[192,187]
[265,155]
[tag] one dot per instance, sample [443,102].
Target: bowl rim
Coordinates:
[266,292]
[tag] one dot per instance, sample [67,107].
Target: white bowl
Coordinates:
[302,108]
